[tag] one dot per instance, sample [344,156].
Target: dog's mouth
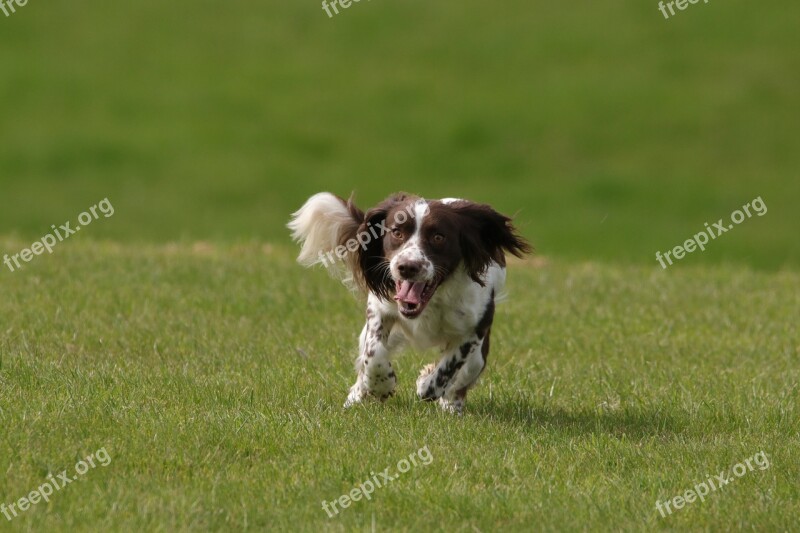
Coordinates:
[413,296]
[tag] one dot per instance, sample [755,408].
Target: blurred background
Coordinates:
[608,131]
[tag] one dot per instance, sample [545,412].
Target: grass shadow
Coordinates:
[522,412]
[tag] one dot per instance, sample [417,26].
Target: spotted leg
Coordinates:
[449,381]
[376,377]
[455,395]
[433,382]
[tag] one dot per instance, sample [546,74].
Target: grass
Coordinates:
[214,377]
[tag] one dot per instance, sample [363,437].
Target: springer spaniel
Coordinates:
[432,270]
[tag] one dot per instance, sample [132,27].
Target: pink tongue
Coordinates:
[409,292]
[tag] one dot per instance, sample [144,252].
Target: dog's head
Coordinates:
[418,244]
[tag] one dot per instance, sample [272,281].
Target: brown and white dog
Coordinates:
[431,269]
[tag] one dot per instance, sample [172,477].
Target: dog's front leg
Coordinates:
[434,381]
[455,395]
[460,367]
[376,377]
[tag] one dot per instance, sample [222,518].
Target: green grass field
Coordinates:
[218,399]
[180,336]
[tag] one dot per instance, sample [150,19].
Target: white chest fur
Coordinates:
[452,314]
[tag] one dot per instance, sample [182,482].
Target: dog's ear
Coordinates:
[485,237]
[372,263]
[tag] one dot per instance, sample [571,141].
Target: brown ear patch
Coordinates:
[486,236]
[373,266]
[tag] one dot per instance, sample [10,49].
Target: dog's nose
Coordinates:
[409,269]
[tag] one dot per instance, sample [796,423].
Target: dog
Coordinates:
[432,271]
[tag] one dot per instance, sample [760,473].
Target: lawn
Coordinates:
[179,339]
[214,376]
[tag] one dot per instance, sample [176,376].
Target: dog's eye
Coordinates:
[438,238]
[397,234]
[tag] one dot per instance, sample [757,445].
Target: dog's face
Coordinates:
[422,249]
[424,242]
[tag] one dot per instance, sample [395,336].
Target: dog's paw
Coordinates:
[357,395]
[426,388]
[383,397]
[426,371]
[381,385]
[455,407]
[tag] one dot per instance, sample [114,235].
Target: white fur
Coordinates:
[411,250]
[319,226]
[452,313]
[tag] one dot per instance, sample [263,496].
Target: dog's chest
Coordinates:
[452,314]
[436,326]
[449,318]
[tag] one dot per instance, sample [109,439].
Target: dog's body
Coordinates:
[432,271]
